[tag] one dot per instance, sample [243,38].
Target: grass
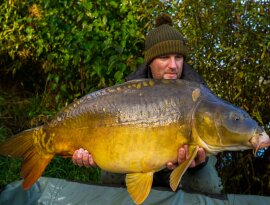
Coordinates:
[10,168]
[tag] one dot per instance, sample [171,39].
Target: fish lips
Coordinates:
[260,141]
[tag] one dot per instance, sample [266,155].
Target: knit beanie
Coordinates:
[163,40]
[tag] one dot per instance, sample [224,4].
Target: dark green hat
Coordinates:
[163,40]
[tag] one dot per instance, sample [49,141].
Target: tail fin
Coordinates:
[34,160]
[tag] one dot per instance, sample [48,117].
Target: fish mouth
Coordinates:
[260,141]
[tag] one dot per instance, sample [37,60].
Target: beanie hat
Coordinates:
[163,40]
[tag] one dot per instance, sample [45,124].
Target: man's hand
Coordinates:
[82,157]
[184,155]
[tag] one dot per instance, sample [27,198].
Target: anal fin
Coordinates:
[139,185]
[179,171]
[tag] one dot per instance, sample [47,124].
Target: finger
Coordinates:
[85,158]
[193,164]
[201,156]
[91,161]
[79,158]
[181,155]
[170,166]
[74,157]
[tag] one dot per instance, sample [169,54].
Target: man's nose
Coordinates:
[172,63]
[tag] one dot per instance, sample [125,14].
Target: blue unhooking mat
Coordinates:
[53,191]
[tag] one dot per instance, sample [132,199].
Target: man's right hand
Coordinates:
[82,157]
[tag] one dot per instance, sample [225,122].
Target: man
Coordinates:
[165,53]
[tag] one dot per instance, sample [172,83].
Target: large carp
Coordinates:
[136,128]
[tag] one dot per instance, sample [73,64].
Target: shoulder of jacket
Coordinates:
[140,72]
[191,75]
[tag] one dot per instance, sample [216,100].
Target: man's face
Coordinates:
[167,67]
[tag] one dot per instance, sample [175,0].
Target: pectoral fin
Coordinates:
[139,185]
[179,171]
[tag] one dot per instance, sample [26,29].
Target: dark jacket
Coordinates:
[162,177]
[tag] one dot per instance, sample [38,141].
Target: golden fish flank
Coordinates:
[126,126]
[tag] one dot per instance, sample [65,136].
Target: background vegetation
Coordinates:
[52,52]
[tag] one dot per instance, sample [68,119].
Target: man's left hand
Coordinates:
[184,155]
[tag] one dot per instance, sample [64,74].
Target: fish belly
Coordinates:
[135,149]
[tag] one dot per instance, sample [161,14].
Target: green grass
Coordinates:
[65,169]
[10,168]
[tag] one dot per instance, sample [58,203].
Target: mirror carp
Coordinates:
[136,128]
